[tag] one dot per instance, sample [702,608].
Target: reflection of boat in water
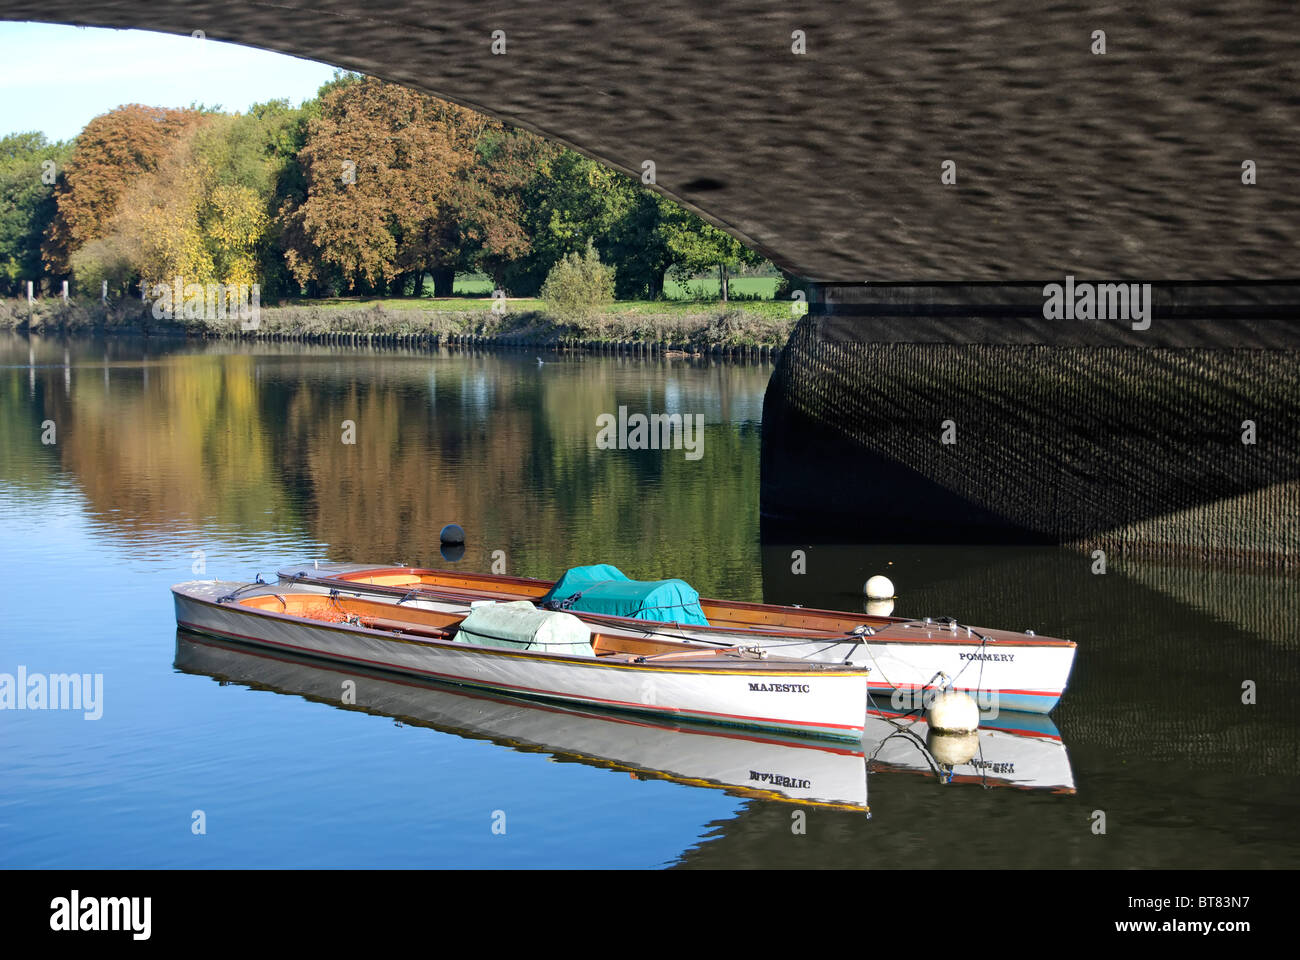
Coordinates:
[1017,750]
[748,763]
[743,763]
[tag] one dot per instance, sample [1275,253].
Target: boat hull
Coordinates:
[906,673]
[829,705]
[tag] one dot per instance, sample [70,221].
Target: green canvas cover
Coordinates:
[521,626]
[603,588]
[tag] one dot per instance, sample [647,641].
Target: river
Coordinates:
[128,465]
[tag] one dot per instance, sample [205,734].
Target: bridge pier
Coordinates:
[961,414]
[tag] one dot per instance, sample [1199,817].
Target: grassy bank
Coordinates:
[688,326]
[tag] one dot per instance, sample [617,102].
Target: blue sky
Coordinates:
[55,78]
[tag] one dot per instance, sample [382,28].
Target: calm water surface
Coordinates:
[171,457]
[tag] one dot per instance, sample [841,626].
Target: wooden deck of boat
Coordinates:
[741,616]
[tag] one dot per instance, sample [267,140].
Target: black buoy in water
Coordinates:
[452,533]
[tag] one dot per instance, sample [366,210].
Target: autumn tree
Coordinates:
[205,212]
[370,187]
[242,161]
[112,151]
[157,225]
[381,164]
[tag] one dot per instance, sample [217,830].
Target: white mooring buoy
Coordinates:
[878,588]
[953,712]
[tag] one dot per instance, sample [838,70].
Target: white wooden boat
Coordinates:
[908,658]
[646,675]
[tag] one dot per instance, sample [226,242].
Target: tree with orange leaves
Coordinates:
[380,164]
[400,184]
[112,150]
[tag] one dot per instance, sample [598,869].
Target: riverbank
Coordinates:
[754,329]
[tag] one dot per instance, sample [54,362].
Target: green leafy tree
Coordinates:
[575,200]
[791,282]
[639,246]
[641,232]
[28,165]
[493,197]
[253,159]
[699,246]
[104,261]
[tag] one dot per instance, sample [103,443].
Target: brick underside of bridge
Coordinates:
[1085,433]
[831,161]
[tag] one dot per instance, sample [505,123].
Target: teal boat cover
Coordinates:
[603,588]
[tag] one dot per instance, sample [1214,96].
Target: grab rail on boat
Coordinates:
[257,582]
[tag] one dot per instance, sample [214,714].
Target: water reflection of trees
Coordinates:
[493,442]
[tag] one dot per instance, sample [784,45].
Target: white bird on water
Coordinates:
[540,362]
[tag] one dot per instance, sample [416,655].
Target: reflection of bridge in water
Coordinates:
[1163,151]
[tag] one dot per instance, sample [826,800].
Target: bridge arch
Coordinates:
[830,161]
